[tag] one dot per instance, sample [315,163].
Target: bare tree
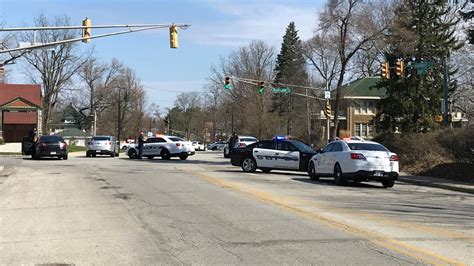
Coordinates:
[53,68]
[255,62]
[353,24]
[188,103]
[98,78]
[213,98]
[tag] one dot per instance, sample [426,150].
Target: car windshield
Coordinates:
[248,139]
[366,147]
[50,139]
[174,139]
[100,138]
[301,146]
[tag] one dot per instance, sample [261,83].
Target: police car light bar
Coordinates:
[280,138]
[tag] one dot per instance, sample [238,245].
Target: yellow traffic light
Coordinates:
[385,69]
[173,37]
[327,110]
[86,32]
[400,69]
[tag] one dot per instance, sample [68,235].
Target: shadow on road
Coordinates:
[330,181]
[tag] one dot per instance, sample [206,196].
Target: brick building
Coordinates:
[20,110]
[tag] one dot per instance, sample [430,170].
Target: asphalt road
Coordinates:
[204,211]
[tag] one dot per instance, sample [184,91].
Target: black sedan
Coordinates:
[274,154]
[50,146]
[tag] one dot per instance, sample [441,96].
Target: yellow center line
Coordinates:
[291,204]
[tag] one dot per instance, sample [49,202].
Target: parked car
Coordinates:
[219,145]
[242,141]
[49,146]
[356,160]
[102,145]
[163,146]
[199,146]
[278,154]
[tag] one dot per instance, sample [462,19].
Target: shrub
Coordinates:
[421,152]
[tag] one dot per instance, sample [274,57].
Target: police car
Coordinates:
[276,154]
[357,160]
[164,147]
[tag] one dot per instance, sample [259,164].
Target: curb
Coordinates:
[436,185]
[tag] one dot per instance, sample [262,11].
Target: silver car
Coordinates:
[104,145]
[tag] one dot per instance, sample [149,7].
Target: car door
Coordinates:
[287,156]
[148,146]
[264,154]
[332,156]
[321,159]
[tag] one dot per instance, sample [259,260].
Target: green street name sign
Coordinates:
[281,90]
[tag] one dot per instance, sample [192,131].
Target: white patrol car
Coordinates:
[163,146]
[357,160]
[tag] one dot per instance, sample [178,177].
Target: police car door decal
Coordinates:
[287,157]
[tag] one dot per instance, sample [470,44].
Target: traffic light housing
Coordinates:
[173,37]
[227,83]
[86,32]
[385,69]
[400,68]
[261,87]
[327,110]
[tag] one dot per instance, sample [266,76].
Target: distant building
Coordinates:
[74,136]
[20,110]
[357,107]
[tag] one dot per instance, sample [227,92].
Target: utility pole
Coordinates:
[445,91]
[328,117]
[119,122]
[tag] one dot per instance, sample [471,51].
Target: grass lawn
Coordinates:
[9,153]
[74,148]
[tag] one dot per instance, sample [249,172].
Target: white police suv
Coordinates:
[356,160]
[164,147]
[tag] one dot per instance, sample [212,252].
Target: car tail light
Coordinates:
[178,144]
[242,144]
[394,158]
[357,156]
[62,145]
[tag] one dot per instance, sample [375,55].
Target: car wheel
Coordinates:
[150,157]
[266,170]
[388,183]
[117,154]
[339,179]
[132,154]
[249,165]
[65,157]
[112,155]
[165,155]
[213,148]
[312,171]
[183,157]
[94,155]
[34,157]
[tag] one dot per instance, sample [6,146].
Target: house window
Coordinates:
[365,107]
[363,130]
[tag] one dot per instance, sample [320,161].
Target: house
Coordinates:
[357,107]
[20,110]
[74,136]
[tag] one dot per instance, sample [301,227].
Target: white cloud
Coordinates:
[254,21]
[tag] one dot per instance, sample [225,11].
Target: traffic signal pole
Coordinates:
[140,27]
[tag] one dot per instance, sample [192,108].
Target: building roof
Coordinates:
[363,87]
[28,92]
[72,132]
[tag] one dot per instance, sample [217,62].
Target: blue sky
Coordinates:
[217,28]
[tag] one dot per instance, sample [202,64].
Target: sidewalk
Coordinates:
[438,183]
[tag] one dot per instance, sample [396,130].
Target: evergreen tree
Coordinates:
[422,32]
[290,69]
